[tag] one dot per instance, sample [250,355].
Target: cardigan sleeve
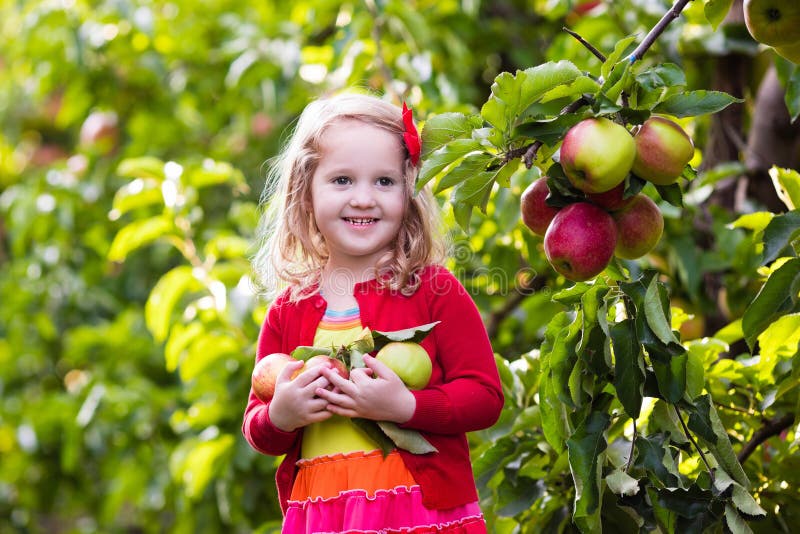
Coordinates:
[257,427]
[470,395]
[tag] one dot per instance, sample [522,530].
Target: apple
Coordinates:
[266,372]
[773,22]
[409,360]
[639,227]
[662,151]
[320,359]
[790,52]
[611,200]
[597,154]
[580,241]
[536,213]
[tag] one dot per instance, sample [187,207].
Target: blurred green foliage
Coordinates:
[132,150]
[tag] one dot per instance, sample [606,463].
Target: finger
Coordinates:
[338,399]
[334,377]
[377,367]
[288,370]
[339,410]
[307,376]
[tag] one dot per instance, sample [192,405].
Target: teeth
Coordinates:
[360,221]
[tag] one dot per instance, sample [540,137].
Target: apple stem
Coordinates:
[657,30]
[597,53]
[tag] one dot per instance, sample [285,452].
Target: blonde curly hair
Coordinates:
[291,251]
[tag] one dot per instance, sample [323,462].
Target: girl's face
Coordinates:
[357,193]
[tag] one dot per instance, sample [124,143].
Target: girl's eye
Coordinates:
[341,180]
[385,181]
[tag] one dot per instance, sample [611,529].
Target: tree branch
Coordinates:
[525,289]
[657,30]
[770,428]
[597,53]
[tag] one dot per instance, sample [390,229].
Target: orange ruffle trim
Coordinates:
[327,476]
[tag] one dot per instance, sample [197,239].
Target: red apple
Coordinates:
[266,372]
[409,360]
[639,227]
[320,359]
[580,241]
[536,213]
[597,154]
[611,200]
[662,151]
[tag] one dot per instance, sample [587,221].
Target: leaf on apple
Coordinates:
[304,352]
[371,429]
[414,334]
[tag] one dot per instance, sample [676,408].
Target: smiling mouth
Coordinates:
[360,221]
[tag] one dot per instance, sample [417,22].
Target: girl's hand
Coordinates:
[295,403]
[374,392]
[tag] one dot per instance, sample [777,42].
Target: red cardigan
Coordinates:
[464,393]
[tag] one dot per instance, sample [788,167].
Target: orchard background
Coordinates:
[661,396]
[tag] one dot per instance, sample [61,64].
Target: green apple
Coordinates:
[409,360]
[790,52]
[580,241]
[597,154]
[662,151]
[536,213]
[639,227]
[773,22]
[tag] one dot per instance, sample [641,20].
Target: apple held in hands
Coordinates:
[265,374]
[597,154]
[536,213]
[409,360]
[662,151]
[320,359]
[580,241]
[773,22]
[639,227]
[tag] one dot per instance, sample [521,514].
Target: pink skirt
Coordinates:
[326,499]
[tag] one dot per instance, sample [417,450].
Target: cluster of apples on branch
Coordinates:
[603,213]
[775,23]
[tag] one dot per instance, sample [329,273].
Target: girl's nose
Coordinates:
[362,197]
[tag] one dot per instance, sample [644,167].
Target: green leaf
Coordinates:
[304,352]
[473,164]
[622,49]
[551,130]
[415,334]
[656,314]
[671,193]
[443,129]
[693,103]
[735,522]
[779,341]
[142,167]
[180,339]
[165,295]
[587,447]
[716,10]
[407,439]
[787,185]
[671,375]
[563,357]
[755,221]
[136,194]
[371,429]
[445,156]
[628,367]
[650,455]
[138,234]
[792,97]
[704,421]
[773,300]
[206,350]
[781,231]
[746,503]
[198,466]
[214,173]
[622,483]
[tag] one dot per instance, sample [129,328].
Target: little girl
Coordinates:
[357,249]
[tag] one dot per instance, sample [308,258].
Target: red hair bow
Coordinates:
[411,136]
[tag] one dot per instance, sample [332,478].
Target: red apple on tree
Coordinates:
[639,227]
[580,241]
[266,372]
[536,213]
[773,22]
[597,154]
[662,151]
[409,360]
[612,200]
